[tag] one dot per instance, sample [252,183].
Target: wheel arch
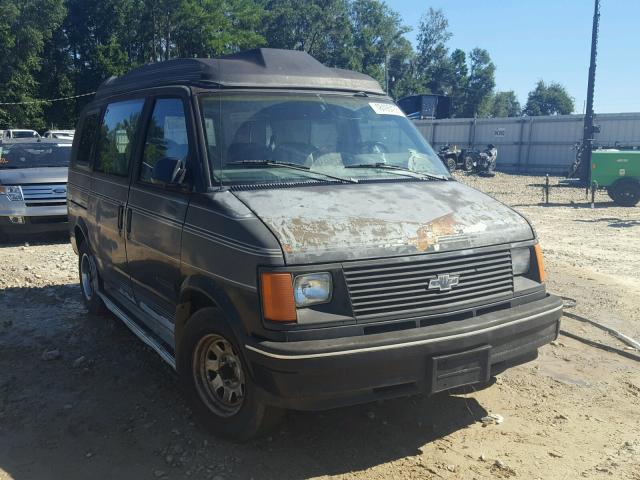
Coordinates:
[80,235]
[198,292]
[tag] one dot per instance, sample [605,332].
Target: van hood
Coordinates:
[24,176]
[347,222]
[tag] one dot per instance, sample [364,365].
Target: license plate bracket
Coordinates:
[460,369]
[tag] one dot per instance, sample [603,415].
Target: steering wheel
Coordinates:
[373,147]
[294,152]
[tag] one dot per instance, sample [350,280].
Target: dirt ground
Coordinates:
[81,397]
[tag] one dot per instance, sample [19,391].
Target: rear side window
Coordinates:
[87,139]
[116,137]
[166,136]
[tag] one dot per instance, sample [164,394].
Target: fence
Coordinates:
[532,144]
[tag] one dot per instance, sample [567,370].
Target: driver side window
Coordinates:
[166,137]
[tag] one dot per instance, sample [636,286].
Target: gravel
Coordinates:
[571,413]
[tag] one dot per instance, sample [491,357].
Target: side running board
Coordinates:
[138,331]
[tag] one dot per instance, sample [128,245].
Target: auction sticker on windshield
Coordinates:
[386,109]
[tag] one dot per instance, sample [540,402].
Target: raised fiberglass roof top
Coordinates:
[262,67]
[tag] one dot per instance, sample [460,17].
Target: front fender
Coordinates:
[239,307]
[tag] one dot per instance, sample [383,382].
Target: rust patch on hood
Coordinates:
[429,233]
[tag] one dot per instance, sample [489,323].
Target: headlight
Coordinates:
[312,289]
[13,192]
[521,260]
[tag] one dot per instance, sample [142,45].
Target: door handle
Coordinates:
[120,219]
[129,215]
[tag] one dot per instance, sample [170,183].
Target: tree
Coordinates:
[505,104]
[402,80]
[432,63]
[24,30]
[103,40]
[377,37]
[552,99]
[458,81]
[319,27]
[480,85]
[63,48]
[55,81]
[206,28]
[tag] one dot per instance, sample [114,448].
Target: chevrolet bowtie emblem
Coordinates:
[444,282]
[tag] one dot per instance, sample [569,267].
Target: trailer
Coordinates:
[619,172]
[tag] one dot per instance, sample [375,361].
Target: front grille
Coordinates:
[384,289]
[44,194]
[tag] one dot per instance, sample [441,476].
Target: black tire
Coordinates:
[89,280]
[451,164]
[203,341]
[468,163]
[625,193]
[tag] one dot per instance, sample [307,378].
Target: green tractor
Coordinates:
[619,172]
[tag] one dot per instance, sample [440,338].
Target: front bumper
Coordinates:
[37,219]
[321,374]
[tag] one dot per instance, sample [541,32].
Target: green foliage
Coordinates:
[552,99]
[505,104]
[401,78]
[480,84]
[206,28]
[458,81]
[377,38]
[62,48]
[319,27]
[55,81]
[469,82]
[24,30]
[432,65]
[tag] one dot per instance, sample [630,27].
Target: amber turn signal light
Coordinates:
[539,262]
[278,303]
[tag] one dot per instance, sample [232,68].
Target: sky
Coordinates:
[530,40]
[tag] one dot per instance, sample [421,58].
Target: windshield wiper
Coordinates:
[386,166]
[292,166]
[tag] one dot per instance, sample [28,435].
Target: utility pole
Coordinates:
[386,74]
[588,129]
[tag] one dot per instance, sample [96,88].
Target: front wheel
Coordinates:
[451,164]
[216,381]
[468,163]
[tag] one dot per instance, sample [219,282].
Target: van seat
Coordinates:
[247,151]
[293,152]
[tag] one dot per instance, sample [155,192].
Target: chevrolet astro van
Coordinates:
[282,236]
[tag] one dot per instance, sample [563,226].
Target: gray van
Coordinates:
[281,234]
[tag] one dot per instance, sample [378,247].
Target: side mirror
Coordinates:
[168,171]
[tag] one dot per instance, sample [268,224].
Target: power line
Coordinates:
[31,102]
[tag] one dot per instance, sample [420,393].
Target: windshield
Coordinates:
[283,137]
[23,134]
[32,155]
[65,135]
